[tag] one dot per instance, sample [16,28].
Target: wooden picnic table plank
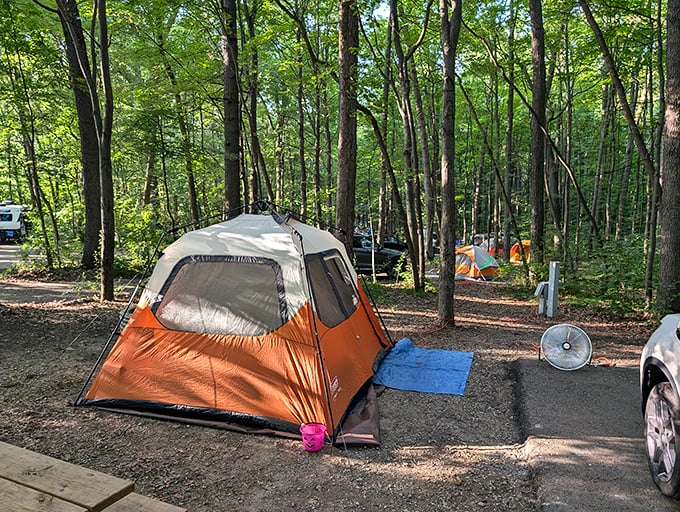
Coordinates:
[87,488]
[134,502]
[17,498]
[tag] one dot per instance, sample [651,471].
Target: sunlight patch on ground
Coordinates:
[485,300]
[489,321]
[450,459]
[403,312]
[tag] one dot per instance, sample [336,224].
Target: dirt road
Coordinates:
[8,255]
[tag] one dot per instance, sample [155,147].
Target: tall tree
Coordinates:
[509,125]
[538,142]
[15,60]
[80,74]
[182,121]
[450,14]
[301,134]
[668,295]
[104,126]
[409,150]
[645,155]
[102,122]
[250,13]
[232,109]
[348,43]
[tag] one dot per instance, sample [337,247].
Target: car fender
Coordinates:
[653,372]
[660,358]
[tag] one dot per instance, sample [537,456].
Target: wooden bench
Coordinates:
[134,502]
[30,481]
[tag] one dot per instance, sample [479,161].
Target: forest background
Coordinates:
[554,121]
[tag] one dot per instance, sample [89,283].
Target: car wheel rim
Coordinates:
[660,439]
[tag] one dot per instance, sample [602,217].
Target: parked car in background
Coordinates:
[387,261]
[659,384]
[392,242]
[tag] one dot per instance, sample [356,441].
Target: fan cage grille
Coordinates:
[566,347]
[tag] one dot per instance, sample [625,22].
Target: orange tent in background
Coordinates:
[474,262]
[257,323]
[515,256]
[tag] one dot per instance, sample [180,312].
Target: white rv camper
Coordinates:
[12,223]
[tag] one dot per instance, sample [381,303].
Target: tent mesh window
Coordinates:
[335,295]
[215,296]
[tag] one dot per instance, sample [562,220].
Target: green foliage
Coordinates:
[127,269]
[512,273]
[384,292]
[377,291]
[405,282]
[138,233]
[166,64]
[612,279]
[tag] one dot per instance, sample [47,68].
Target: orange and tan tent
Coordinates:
[256,322]
[474,262]
[515,256]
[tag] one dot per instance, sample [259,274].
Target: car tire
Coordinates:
[662,428]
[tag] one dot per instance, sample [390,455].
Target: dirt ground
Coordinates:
[438,452]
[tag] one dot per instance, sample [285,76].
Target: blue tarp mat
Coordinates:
[411,368]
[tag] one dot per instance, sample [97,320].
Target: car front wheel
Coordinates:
[662,425]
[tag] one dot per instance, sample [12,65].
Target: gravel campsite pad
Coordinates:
[438,452]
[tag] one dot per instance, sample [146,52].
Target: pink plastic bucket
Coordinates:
[313,436]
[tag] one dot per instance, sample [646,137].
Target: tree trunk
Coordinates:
[410,156]
[567,145]
[23,105]
[164,174]
[253,91]
[450,30]
[645,155]
[103,124]
[328,160]
[316,169]
[28,138]
[79,67]
[105,167]
[348,42]
[668,294]
[185,137]
[656,178]
[385,227]
[279,153]
[625,175]
[232,111]
[508,148]
[477,194]
[538,120]
[428,183]
[605,123]
[301,138]
[150,194]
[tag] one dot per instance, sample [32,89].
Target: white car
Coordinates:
[659,376]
